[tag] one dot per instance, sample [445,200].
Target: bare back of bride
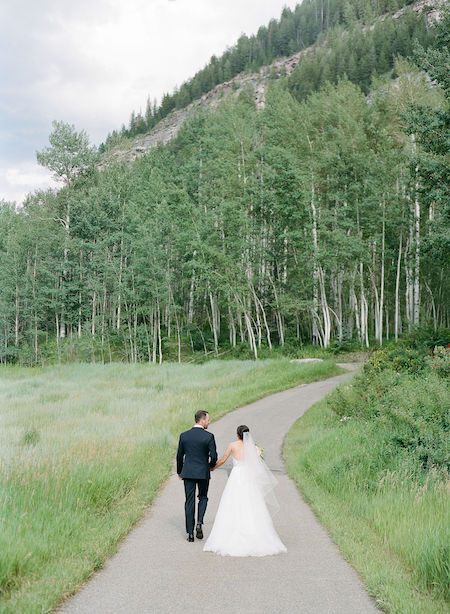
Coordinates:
[243,525]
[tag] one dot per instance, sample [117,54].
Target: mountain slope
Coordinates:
[168,127]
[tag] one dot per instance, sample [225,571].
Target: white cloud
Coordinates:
[91,62]
[18,181]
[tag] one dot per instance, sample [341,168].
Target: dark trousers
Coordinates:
[189,507]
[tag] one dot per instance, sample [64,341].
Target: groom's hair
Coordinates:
[200,415]
[241,430]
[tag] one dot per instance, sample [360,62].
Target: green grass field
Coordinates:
[386,512]
[84,449]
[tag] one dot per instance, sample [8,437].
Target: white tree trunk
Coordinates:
[416,230]
[214,322]
[251,334]
[354,310]
[364,308]
[409,291]
[397,290]
[325,310]
[315,332]
[94,297]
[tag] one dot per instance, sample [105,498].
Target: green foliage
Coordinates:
[373,462]
[399,358]
[310,22]
[69,155]
[425,338]
[412,415]
[251,233]
[358,54]
[412,353]
[431,128]
[439,360]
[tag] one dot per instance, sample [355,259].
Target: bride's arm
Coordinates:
[223,459]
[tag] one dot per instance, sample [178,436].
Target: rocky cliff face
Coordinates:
[168,128]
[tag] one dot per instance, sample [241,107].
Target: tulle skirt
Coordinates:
[243,525]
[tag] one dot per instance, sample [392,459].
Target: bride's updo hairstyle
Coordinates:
[241,430]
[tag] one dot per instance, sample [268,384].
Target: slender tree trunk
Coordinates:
[269,342]
[103,319]
[79,329]
[258,321]
[416,312]
[409,285]
[251,334]
[16,318]
[382,276]
[94,298]
[232,327]
[325,309]
[154,335]
[121,264]
[35,344]
[58,346]
[416,224]
[354,309]
[191,296]
[159,335]
[397,289]
[387,322]
[315,332]
[364,308]
[214,322]
[433,306]
[278,317]
[119,296]
[149,351]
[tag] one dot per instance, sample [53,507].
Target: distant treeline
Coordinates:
[362,55]
[324,221]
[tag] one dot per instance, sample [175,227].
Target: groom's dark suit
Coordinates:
[196,454]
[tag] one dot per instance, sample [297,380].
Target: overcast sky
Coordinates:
[91,62]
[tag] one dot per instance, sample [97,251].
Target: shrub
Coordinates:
[411,413]
[398,358]
[439,360]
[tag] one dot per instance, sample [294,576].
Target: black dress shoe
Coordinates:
[190,537]
[199,531]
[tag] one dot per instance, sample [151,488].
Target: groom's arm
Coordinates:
[212,452]
[180,456]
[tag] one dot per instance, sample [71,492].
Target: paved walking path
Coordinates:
[156,571]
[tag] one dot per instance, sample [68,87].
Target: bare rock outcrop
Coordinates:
[168,127]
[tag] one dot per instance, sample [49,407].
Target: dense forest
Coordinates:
[370,46]
[322,218]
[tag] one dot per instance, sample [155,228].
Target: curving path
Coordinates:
[156,571]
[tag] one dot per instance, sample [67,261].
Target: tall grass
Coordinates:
[372,462]
[83,450]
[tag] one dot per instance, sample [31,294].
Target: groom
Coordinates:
[196,455]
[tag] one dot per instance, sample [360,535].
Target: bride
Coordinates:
[243,526]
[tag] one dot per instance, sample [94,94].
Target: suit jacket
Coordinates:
[196,454]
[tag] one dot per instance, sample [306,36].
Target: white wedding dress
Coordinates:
[243,525]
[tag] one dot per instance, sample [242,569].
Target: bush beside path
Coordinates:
[372,460]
